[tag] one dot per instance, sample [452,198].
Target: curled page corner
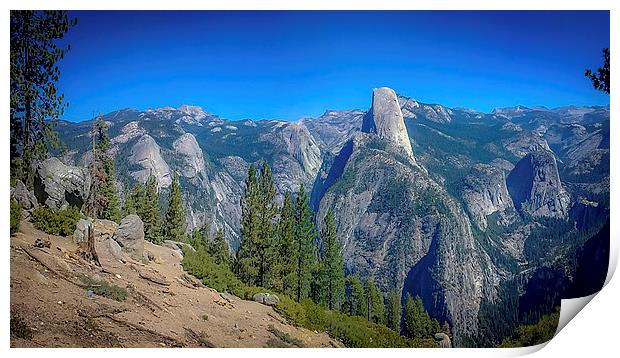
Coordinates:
[569,308]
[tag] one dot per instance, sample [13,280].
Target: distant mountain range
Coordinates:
[468,210]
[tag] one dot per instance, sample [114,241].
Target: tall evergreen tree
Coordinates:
[218,249]
[35,101]
[200,237]
[393,310]
[149,211]
[284,278]
[357,302]
[129,206]
[376,304]
[305,234]
[332,264]
[266,229]
[246,266]
[417,322]
[104,196]
[174,225]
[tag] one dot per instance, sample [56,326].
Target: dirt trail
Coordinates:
[45,292]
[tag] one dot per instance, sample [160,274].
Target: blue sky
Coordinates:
[288,65]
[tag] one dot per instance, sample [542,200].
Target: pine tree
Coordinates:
[129,206]
[36,103]
[104,200]
[246,266]
[149,212]
[305,234]
[332,264]
[218,249]
[394,310]
[376,305]
[284,278]
[417,322]
[174,225]
[200,237]
[266,234]
[357,302]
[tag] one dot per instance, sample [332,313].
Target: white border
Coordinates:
[594,331]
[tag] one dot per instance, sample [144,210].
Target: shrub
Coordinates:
[19,328]
[105,289]
[61,222]
[218,277]
[16,216]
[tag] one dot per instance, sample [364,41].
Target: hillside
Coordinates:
[60,313]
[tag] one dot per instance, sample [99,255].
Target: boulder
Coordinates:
[81,231]
[443,340]
[178,246]
[266,299]
[130,236]
[58,185]
[24,197]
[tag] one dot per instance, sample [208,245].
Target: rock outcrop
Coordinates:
[81,231]
[485,193]
[535,187]
[386,119]
[58,185]
[193,160]
[146,153]
[130,236]
[25,198]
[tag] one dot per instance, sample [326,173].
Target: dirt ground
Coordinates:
[46,293]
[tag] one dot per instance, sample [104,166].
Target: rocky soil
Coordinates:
[164,308]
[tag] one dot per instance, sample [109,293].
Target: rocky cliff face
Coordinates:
[146,154]
[485,193]
[385,119]
[400,227]
[535,187]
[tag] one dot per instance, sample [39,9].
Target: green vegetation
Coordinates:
[104,197]
[393,311]
[103,288]
[19,328]
[376,306]
[530,335]
[212,274]
[36,103]
[305,234]
[284,277]
[174,225]
[417,322]
[285,338]
[16,216]
[61,222]
[600,80]
[145,199]
[332,265]
[218,249]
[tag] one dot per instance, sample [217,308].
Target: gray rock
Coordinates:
[193,160]
[58,185]
[386,119]
[443,340]
[178,245]
[535,187]
[130,236]
[115,249]
[485,193]
[266,299]
[148,256]
[24,197]
[81,231]
[147,154]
